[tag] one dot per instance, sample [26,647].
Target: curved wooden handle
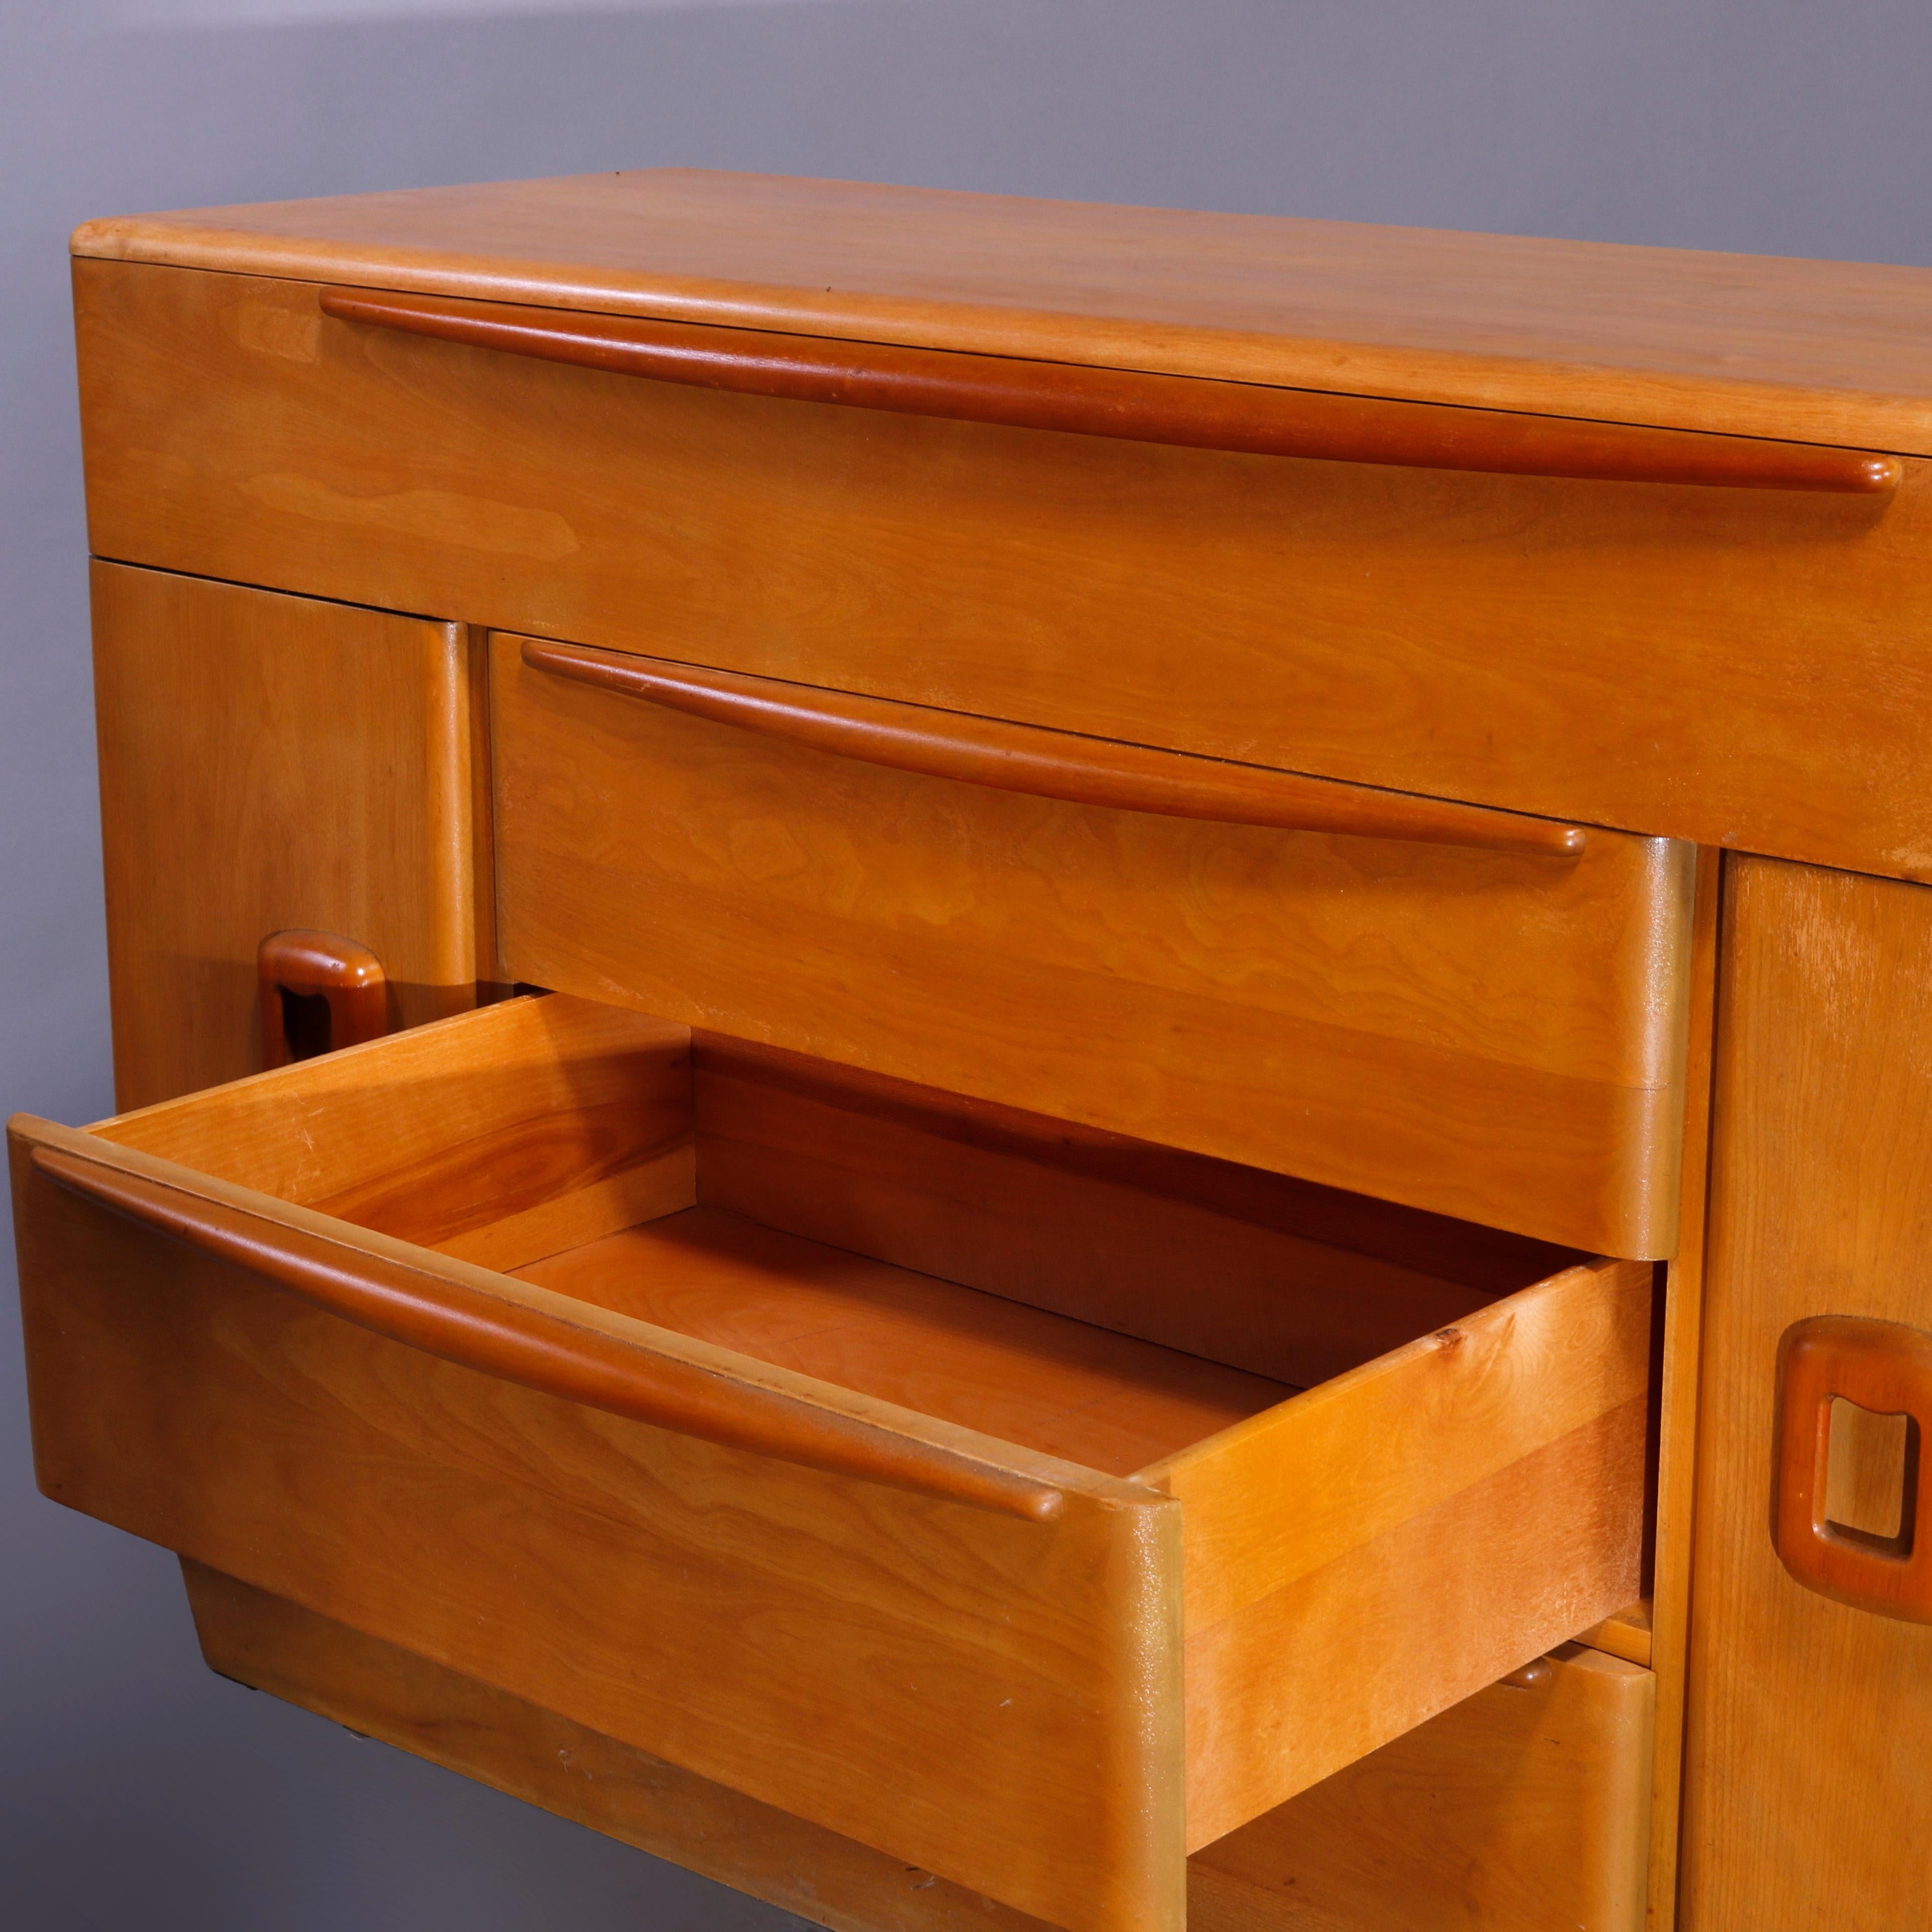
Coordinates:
[1192,411]
[323,965]
[451,1319]
[1883,1366]
[1050,764]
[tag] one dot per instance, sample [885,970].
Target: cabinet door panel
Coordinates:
[1809,1773]
[269,762]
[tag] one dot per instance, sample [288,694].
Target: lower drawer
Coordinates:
[1523,1808]
[1029,1504]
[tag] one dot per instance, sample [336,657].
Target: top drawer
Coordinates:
[1735,666]
[1496,1034]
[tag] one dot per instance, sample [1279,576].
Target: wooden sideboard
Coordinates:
[1010,1064]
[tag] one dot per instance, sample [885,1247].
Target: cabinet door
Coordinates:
[270,762]
[1809,1773]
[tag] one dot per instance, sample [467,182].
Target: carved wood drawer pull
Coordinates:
[346,977]
[1050,764]
[447,1317]
[1197,412]
[1885,1368]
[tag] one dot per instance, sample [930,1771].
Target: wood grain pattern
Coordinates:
[523,1128]
[1451,638]
[1500,1384]
[1081,401]
[1451,1466]
[1808,1785]
[493,982]
[1666,1633]
[1629,1634]
[1830,352]
[1871,1469]
[542,1342]
[1885,1368]
[1386,627]
[993,1698]
[1518,1810]
[347,978]
[1515,1811]
[1486,1035]
[1047,764]
[1232,1264]
[808,1632]
[573,1770]
[323,752]
[1070,1390]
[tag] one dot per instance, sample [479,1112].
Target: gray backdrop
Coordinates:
[136,1790]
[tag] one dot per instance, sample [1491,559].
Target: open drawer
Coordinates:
[941,1473]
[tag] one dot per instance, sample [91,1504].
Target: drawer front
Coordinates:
[426,1336]
[1665,658]
[1523,1808]
[1490,1035]
[995,1698]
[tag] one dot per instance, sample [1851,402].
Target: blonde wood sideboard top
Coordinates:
[1823,351]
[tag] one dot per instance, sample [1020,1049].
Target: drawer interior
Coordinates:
[1371,1417]
[1096,1298]
[1085,1394]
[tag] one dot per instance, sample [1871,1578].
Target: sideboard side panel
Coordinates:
[1808,1776]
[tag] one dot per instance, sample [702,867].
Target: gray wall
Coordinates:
[137,1790]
